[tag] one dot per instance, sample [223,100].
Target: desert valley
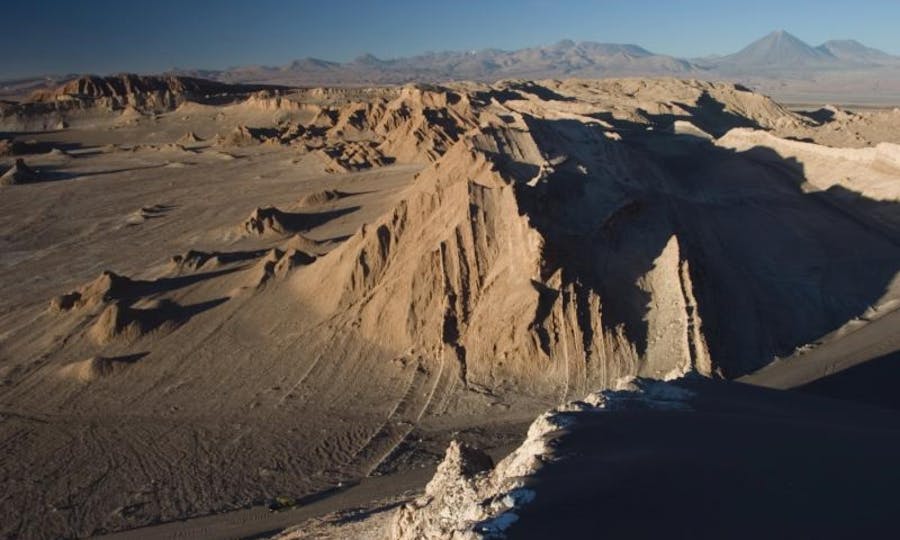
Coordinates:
[514,307]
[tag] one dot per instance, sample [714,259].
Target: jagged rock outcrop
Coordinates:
[190,138]
[268,220]
[278,263]
[454,486]
[503,261]
[120,321]
[150,93]
[422,122]
[469,499]
[96,367]
[122,308]
[108,287]
[556,246]
[19,173]
[351,156]
[324,196]
[245,136]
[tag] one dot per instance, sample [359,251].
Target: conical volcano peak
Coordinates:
[778,49]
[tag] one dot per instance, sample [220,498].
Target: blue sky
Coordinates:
[104,36]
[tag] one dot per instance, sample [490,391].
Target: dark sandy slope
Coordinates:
[743,462]
[861,365]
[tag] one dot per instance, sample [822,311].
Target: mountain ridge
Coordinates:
[846,65]
[775,52]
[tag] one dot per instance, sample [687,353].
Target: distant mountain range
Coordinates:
[778,53]
[779,63]
[565,58]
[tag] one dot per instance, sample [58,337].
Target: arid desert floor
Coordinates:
[214,295]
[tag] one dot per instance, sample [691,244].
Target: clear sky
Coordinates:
[104,36]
